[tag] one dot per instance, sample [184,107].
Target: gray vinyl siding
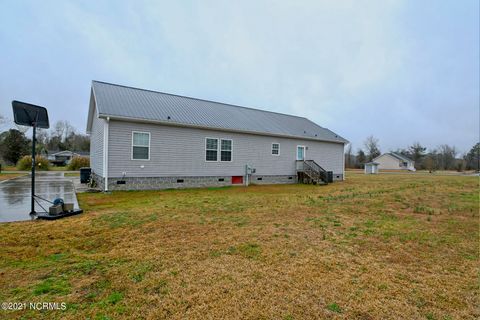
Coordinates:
[180,151]
[96,145]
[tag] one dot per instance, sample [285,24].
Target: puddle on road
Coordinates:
[15,194]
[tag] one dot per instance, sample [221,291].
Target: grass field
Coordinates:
[9,175]
[372,247]
[72,174]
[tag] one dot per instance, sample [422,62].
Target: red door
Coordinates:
[237,180]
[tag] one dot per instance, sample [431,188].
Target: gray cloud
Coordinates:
[403,71]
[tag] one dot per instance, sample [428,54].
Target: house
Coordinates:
[62,158]
[394,161]
[371,167]
[142,139]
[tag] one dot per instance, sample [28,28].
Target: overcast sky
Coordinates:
[402,71]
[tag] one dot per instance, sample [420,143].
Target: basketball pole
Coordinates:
[32,211]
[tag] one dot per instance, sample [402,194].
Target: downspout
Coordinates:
[105,153]
[344,171]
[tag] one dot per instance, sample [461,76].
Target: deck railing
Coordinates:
[312,169]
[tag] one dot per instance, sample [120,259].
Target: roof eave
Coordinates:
[177,124]
[401,157]
[92,110]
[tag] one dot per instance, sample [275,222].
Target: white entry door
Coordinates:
[301,153]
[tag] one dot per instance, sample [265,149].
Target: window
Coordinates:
[140,145]
[276,149]
[211,149]
[226,151]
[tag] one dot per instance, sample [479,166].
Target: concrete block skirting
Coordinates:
[337,177]
[257,179]
[98,180]
[159,183]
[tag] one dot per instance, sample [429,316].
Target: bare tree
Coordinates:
[348,156]
[446,156]
[431,161]
[373,149]
[42,140]
[77,142]
[62,129]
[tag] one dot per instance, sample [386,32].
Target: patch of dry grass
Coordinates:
[7,176]
[372,247]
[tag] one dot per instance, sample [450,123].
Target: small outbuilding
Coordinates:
[371,168]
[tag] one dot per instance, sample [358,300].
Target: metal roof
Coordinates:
[400,156]
[58,152]
[397,156]
[133,104]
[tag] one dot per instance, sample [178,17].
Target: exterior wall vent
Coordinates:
[237,180]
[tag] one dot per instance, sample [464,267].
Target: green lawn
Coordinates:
[372,247]
[60,168]
[72,174]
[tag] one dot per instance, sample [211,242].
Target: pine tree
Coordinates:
[14,145]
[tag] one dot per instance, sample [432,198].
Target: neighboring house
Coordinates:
[62,158]
[142,139]
[394,161]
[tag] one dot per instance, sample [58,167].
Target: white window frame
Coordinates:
[271,151]
[205,146]
[149,142]
[220,148]
[304,153]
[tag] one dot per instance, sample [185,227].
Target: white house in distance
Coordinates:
[64,157]
[142,139]
[394,161]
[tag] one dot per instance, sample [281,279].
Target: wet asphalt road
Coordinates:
[15,194]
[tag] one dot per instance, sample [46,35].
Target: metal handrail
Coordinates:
[316,165]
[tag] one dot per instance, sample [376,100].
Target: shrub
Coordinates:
[25,163]
[78,162]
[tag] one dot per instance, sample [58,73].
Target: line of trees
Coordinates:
[444,157]
[61,136]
